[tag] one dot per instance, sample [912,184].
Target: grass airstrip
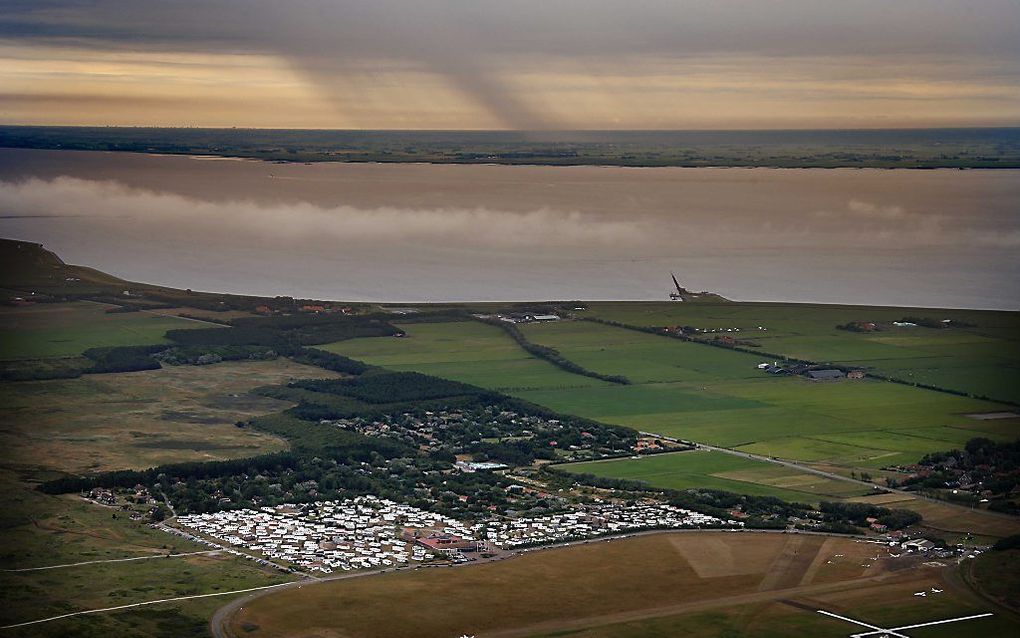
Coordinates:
[667,584]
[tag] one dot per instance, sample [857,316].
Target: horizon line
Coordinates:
[539,131]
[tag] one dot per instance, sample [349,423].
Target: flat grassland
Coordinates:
[997,575]
[140,419]
[716,396]
[646,585]
[695,391]
[982,359]
[721,471]
[118,421]
[67,329]
[467,351]
[41,530]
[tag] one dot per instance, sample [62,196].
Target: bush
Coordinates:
[1010,542]
[123,358]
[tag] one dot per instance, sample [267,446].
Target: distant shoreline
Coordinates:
[918,149]
[409,162]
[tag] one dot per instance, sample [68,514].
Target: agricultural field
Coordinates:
[140,419]
[982,358]
[716,396]
[665,584]
[467,351]
[697,392]
[721,471]
[43,331]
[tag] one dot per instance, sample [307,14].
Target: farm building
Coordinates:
[825,375]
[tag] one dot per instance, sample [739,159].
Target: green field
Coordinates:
[717,396]
[468,351]
[982,359]
[721,471]
[697,392]
[68,329]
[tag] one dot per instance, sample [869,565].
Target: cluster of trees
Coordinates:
[858,513]
[483,414]
[309,439]
[518,452]
[1010,542]
[982,465]
[201,355]
[552,355]
[123,358]
[327,470]
[392,387]
[286,331]
[472,414]
[325,360]
[184,471]
[148,357]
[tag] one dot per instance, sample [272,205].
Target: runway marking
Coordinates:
[894,631]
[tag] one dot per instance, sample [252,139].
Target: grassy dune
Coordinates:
[141,419]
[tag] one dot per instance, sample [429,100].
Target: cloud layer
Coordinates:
[423,232]
[527,64]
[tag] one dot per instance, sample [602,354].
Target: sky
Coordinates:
[523,65]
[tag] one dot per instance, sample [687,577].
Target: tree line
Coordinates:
[552,355]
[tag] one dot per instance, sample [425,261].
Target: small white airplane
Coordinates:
[936,591]
[921,593]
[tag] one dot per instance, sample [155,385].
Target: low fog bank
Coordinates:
[396,233]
